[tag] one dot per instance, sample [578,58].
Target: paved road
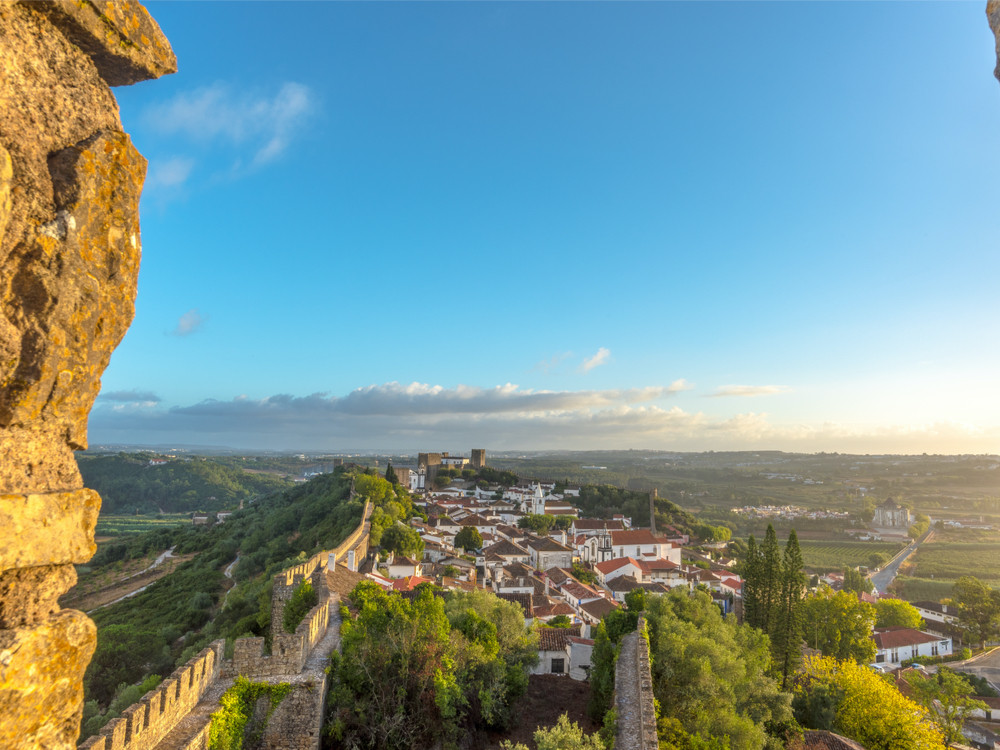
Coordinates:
[985,665]
[884,577]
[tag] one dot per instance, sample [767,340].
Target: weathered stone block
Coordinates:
[50,529]
[993,13]
[41,673]
[122,39]
[74,290]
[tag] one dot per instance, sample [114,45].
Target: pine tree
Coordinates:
[751,584]
[770,576]
[786,630]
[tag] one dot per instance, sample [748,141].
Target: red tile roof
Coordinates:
[636,536]
[899,637]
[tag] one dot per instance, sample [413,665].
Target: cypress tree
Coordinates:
[390,474]
[751,584]
[786,635]
[770,575]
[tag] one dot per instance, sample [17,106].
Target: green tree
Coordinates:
[839,625]
[469,539]
[537,522]
[712,674]
[770,578]
[602,674]
[854,581]
[897,613]
[752,570]
[868,709]
[303,599]
[978,608]
[947,697]
[390,474]
[402,540]
[565,735]
[786,630]
[396,684]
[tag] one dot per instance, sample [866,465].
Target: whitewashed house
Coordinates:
[896,645]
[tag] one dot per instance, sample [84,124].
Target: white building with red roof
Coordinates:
[896,645]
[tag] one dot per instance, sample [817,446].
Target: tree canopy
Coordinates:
[839,625]
[862,706]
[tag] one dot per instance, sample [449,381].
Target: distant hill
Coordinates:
[129,483]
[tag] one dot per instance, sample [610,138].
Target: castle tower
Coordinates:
[478,458]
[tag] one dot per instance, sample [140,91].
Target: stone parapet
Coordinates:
[143,725]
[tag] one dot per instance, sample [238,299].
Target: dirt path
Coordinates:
[93,593]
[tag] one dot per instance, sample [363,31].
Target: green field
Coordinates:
[122,525]
[923,589]
[950,560]
[825,557]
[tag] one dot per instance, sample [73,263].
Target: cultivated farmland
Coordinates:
[825,557]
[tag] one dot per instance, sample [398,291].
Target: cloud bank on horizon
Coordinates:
[394,415]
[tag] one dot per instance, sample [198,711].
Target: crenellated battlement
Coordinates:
[147,722]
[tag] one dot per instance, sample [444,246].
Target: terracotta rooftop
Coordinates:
[555,639]
[636,536]
[899,637]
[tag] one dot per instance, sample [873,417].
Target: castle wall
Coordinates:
[297,722]
[143,725]
[634,694]
[70,182]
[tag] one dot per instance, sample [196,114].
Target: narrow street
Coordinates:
[887,575]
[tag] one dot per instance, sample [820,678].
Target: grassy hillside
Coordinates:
[178,615]
[129,484]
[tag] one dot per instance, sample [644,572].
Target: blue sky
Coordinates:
[690,226]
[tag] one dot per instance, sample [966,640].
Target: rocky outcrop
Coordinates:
[70,182]
[993,13]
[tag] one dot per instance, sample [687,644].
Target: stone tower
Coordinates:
[70,181]
[478,458]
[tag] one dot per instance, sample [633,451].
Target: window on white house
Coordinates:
[894,656]
[934,649]
[558,666]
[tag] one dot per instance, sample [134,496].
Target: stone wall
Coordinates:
[69,257]
[634,694]
[147,722]
[993,14]
[297,722]
[289,651]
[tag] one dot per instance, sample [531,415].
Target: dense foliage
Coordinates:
[711,676]
[565,735]
[773,587]
[417,672]
[854,701]
[238,723]
[839,625]
[129,484]
[303,599]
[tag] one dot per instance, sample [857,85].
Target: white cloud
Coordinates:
[168,173]
[505,417]
[189,322]
[145,398]
[266,123]
[548,365]
[748,391]
[600,358]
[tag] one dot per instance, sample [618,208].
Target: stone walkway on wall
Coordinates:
[191,733]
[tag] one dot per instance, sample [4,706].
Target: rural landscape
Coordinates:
[190,544]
